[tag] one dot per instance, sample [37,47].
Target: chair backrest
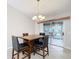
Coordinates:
[42,34]
[25,34]
[15,43]
[45,41]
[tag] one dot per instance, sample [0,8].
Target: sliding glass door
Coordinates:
[55,31]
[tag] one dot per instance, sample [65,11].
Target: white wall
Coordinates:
[67,34]
[17,23]
[38,28]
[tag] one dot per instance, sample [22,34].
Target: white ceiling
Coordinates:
[47,7]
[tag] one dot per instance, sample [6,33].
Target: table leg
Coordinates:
[30,49]
[29,56]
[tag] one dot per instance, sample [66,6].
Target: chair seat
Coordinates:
[39,43]
[22,46]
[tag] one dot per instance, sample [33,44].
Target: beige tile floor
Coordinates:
[54,53]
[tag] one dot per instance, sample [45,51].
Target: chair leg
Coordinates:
[43,54]
[29,56]
[12,53]
[48,50]
[23,52]
[34,52]
[18,55]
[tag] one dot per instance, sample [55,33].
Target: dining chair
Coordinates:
[18,47]
[25,34]
[25,41]
[42,34]
[42,46]
[39,41]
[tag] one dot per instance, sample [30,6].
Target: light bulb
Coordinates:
[40,16]
[34,18]
[43,17]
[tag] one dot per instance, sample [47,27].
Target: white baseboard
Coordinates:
[10,48]
[67,48]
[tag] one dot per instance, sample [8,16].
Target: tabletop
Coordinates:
[32,37]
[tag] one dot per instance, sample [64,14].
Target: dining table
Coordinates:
[30,39]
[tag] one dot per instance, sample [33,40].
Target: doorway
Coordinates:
[55,32]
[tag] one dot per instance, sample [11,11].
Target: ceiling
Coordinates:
[47,7]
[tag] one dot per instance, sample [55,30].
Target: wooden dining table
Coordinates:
[30,39]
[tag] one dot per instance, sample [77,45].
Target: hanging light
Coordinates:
[38,17]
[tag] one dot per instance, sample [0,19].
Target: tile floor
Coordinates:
[58,42]
[54,53]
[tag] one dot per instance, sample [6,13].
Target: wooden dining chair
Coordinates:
[42,46]
[18,47]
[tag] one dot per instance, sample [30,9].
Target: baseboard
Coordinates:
[67,48]
[10,48]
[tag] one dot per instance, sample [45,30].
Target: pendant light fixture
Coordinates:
[38,17]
